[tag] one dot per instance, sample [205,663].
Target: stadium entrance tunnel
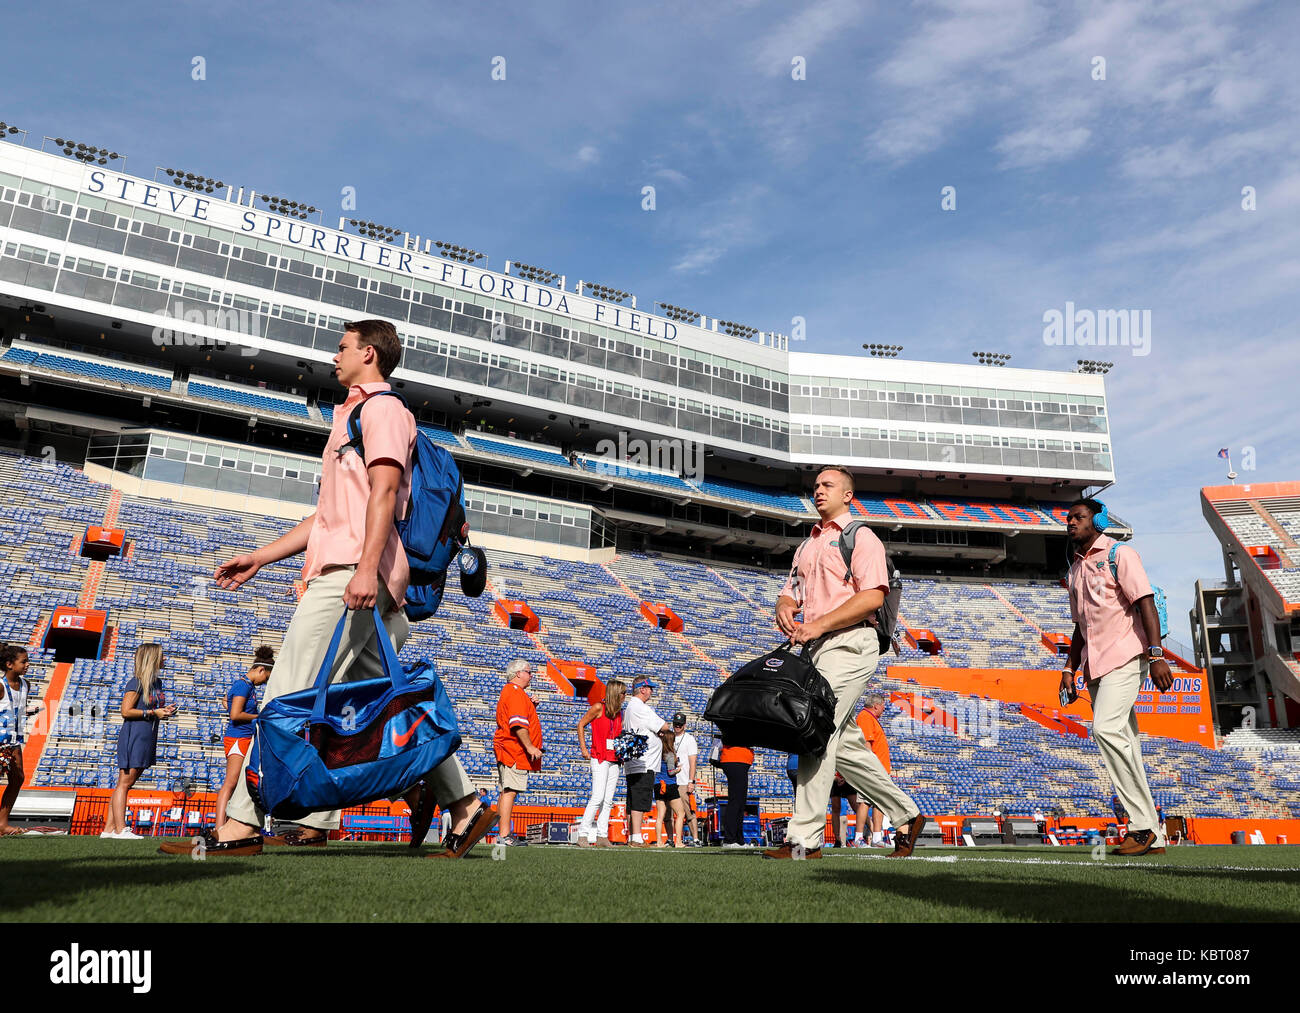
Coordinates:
[660,615]
[517,615]
[1058,643]
[76,633]
[926,640]
[576,679]
[101,543]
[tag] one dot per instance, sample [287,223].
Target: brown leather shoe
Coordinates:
[603,842]
[904,843]
[210,847]
[298,838]
[1139,842]
[458,845]
[788,852]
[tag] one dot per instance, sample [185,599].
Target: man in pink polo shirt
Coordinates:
[844,646]
[354,560]
[1116,644]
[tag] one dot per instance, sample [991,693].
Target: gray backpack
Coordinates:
[887,615]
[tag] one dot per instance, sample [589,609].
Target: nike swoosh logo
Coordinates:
[401,740]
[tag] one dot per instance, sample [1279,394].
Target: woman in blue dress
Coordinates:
[144,707]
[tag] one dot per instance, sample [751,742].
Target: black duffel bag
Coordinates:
[780,701]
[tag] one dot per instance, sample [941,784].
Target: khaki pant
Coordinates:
[847,660]
[301,655]
[1115,727]
[511,778]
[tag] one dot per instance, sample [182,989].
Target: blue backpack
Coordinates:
[434,528]
[1158,593]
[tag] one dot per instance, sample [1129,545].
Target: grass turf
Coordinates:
[85,879]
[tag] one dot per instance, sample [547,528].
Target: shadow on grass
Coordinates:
[1041,897]
[53,880]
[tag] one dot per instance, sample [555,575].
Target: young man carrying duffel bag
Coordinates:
[354,558]
[842,626]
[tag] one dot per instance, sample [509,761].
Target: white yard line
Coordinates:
[1082,863]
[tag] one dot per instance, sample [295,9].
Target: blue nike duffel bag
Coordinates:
[348,743]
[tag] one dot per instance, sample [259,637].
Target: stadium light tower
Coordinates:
[679,313]
[883,351]
[531,272]
[372,230]
[6,129]
[190,180]
[991,358]
[1093,366]
[289,208]
[87,153]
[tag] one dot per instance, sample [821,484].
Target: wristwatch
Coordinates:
[1155,653]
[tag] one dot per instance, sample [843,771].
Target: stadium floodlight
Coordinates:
[453,251]
[602,292]
[882,351]
[991,358]
[288,208]
[190,180]
[86,153]
[1093,366]
[373,230]
[8,128]
[679,313]
[736,330]
[530,272]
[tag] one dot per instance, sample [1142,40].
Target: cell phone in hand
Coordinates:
[1068,695]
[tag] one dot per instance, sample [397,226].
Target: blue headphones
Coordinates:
[1101,521]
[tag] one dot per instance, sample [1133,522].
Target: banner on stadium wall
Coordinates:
[1182,713]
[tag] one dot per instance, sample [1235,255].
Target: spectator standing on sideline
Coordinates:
[640,719]
[688,754]
[1116,645]
[144,708]
[241,708]
[735,762]
[873,709]
[606,721]
[844,645]
[517,743]
[15,707]
[354,563]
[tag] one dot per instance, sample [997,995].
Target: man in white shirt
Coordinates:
[640,719]
[688,751]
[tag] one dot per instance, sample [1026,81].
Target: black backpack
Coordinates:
[887,615]
[780,701]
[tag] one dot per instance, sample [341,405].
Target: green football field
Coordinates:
[76,879]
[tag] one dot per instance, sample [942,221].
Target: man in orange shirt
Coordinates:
[517,743]
[869,721]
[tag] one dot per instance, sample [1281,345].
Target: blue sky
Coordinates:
[777,197]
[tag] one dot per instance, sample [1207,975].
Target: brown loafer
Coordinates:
[458,845]
[603,842]
[1139,842]
[298,838]
[422,815]
[209,847]
[904,843]
[787,852]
